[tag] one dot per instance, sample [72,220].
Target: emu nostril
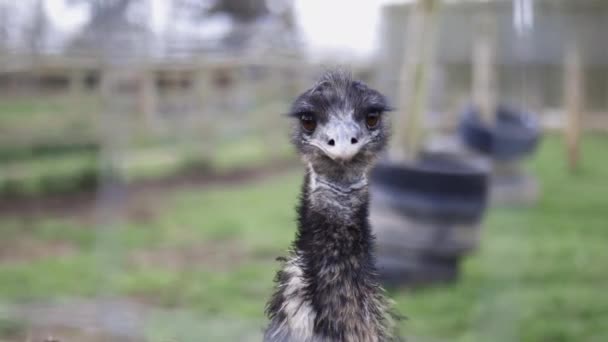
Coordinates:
[354,141]
[331,142]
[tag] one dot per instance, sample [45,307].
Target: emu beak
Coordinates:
[342,141]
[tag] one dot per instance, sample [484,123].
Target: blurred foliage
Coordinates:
[244,11]
[50,174]
[110,23]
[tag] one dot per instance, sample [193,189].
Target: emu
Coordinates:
[327,288]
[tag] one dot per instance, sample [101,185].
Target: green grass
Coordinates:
[49,174]
[49,144]
[11,328]
[79,170]
[540,274]
[33,120]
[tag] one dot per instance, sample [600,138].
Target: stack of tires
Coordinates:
[426,216]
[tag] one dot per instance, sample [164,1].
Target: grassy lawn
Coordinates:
[39,118]
[50,144]
[203,261]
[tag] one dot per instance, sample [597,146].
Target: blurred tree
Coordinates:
[4,26]
[37,29]
[259,24]
[239,10]
[115,26]
[124,25]
[23,28]
[104,12]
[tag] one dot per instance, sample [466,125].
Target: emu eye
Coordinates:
[308,122]
[372,119]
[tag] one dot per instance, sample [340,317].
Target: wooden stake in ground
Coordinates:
[76,83]
[148,98]
[414,78]
[573,95]
[484,75]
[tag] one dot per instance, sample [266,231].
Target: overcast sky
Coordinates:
[343,27]
[346,28]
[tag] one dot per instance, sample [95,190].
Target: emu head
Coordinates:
[340,125]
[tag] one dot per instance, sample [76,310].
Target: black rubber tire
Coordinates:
[400,236]
[416,271]
[437,187]
[516,133]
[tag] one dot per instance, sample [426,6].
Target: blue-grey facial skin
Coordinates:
[342,139]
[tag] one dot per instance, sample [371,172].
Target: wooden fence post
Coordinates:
[76,83]
[414,79]
[148,98]
[573,95]
[483,68]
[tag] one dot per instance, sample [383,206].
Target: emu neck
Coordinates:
[334,240]
[334,249]
[328,290]
[333,215]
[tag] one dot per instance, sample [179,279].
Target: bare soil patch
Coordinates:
[28,249]
[222,255]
